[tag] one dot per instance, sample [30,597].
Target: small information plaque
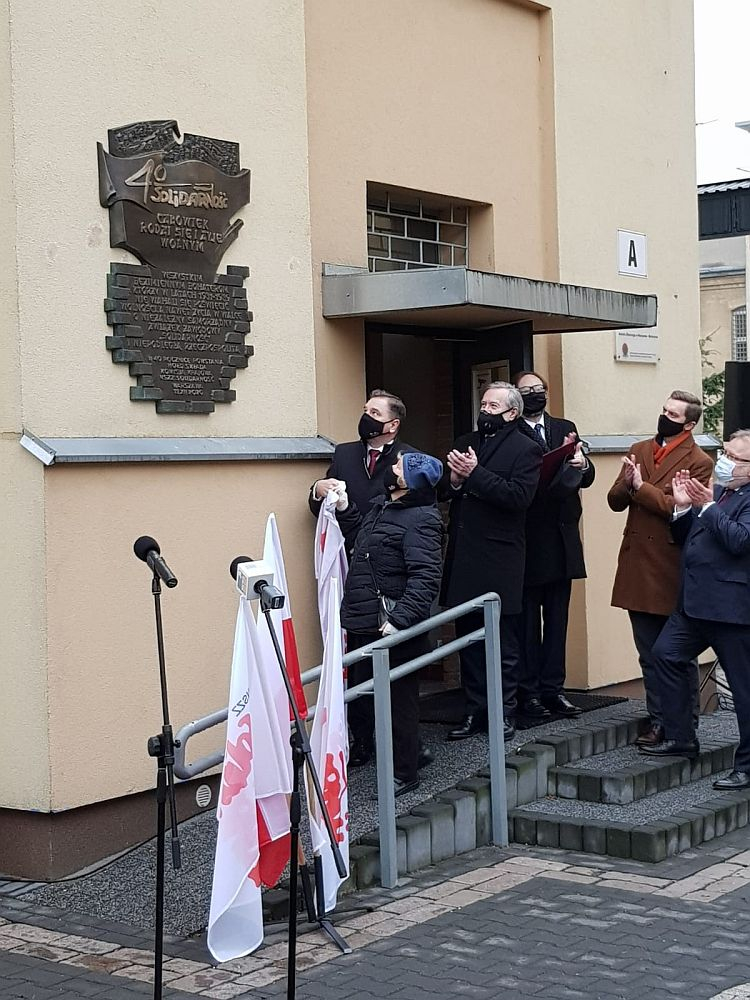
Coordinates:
[637,346]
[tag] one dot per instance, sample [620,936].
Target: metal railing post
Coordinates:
[384,743]
[496,722]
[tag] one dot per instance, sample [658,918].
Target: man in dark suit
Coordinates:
[494,473]
[713,526]
[362,464]
[554,557]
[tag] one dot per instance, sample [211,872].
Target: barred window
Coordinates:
[407,232]
[739,334]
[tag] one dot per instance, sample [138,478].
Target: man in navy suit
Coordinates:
[362,464]
[713,526]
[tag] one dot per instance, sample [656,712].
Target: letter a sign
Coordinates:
[632,253]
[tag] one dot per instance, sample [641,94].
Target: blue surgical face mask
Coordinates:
[724,469]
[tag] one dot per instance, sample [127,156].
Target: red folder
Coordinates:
[552,461]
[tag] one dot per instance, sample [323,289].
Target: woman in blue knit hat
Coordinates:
[393,580]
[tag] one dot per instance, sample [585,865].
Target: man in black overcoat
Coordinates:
[554,557]
[362,464]
[494,473]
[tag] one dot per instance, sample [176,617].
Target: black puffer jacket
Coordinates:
[399,545]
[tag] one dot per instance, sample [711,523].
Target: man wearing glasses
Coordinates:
[713,526]
[554,557]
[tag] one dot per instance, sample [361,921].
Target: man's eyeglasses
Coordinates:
[733,458]
[528,389]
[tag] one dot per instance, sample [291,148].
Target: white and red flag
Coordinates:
[254,760]
[282,618]
[330,556]
[330,753]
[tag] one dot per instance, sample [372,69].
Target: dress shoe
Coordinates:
[733,781]
[402,787]
[560,707]
[471,725]
[673,748]
[653,736]
[425,758]
[360,753]
[509,728]
[533,712]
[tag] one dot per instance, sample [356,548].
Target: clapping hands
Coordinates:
[689,492]
[461,465]
[633,477]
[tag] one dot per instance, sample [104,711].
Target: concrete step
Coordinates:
[675,822]
[626,775]
[458,819]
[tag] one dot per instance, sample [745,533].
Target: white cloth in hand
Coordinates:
[387,629]
[343,497]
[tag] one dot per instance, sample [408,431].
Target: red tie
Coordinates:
[372,460]
[725,496]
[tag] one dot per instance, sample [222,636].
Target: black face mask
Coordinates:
[369,427]
[534,403]
[390,480]
[491,423]
[668,428]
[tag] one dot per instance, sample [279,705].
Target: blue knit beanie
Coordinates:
[421,470]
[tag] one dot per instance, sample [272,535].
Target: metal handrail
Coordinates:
[380,686]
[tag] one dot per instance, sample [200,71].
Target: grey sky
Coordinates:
[722,88]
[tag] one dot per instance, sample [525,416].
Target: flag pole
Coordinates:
[301,756]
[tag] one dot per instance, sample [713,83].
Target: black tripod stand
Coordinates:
[162,747]
[270,599]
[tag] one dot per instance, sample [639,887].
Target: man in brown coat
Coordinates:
[648,568]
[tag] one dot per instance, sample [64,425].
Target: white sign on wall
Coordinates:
[632,253]
[637,346]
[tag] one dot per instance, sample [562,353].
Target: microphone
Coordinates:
[147,549]
[254,579]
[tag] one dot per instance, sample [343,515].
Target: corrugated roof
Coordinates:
[740,184]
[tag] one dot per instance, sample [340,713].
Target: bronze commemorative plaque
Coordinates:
[177,321]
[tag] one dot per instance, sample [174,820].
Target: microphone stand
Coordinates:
[301,756]
[162,748]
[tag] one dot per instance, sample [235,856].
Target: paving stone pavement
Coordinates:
[493,925]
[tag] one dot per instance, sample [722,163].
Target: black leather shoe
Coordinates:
[653,736]
[733,781]
[402,787]
[671,748]
[509,728]
[560,707]
[425,758]
[533,711]
[471,725]
[360,753]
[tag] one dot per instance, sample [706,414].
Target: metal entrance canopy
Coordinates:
[459,297]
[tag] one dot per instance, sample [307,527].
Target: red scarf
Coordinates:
[662,450]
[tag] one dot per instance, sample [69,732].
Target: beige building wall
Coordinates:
[449,98]
[24,733]
[624,128]
[170,59]
[719,296]
[77,647]
[103,671]
[23,674]
[625,160]
[489,101]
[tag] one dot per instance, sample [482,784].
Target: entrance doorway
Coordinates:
[440,373]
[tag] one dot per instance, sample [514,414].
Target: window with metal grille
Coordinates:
[406,232]
[739,334]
